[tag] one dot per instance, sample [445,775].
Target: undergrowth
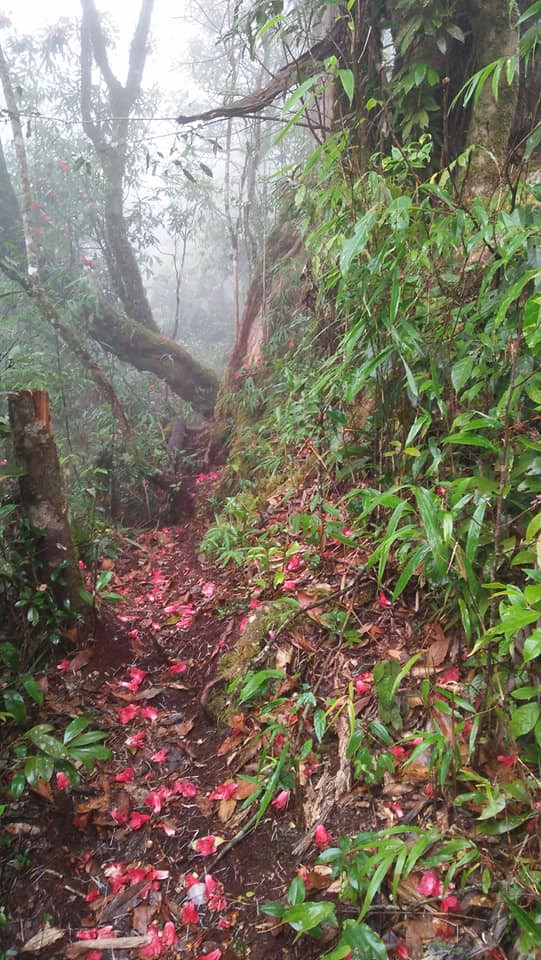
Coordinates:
[415,435]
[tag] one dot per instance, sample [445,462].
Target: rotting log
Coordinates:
[43,500]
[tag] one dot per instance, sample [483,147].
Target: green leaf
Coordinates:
[358,241]
[15,705]
[305,916]
[364,941]
[525,921]
[461,372]
[273,909]
[524,719]
[33,690]
[532,646]
[38,768]
[49,745]
[74,728]
[93,736]
[320,724]
[11,656]
[255,681]
[347,80]
[297,892]
[17,785]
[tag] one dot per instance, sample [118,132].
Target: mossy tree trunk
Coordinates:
[42,496]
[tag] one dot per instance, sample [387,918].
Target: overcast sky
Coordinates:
[170,30]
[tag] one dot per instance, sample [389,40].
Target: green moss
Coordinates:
[236,662]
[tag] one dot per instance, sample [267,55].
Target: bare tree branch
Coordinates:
[309,64]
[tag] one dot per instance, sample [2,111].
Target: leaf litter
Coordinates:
[159,853]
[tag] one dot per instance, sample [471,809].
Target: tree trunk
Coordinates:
[496,35]
[42,495]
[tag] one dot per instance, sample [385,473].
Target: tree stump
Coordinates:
[43,500]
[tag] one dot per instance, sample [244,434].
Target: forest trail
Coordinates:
[157,853]
[117,855]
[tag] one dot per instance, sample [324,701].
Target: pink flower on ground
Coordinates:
[125,776]
[213,955]
[63,665]
[118,816]
[450,904]
[281,800]
[179,667]
[138,820]
[383,600]
[150,713]
[128,713]
[450,676]
[289,585]
[322,837]
[61,780]
[401,951]
[160,756]
[208,590]
[363,683]
[136,740]
[136,678]
[189,913]
[397,751]
[224,791]
[155,798]
[508,761]
[205,845]
[190,879]
[94,955]
[185,788]
[430,884]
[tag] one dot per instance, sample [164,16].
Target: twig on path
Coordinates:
[311,606]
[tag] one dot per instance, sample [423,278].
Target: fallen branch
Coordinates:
[307,65]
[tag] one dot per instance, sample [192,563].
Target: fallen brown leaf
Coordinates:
[43,939]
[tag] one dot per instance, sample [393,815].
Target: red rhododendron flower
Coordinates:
[450,676]
[208,590]
[160,756]
[190,879]
[430,884]
[136,740]
[205,845]
[281,799]
[136,678]
[224,791]
[126,714]
[94,955]
[118,816]
[401,951]
[63,665]
[125,776]
[395,808]
[189,913]
[92,933]
[397,751]
[185,788]
[179,667]
[92,895]
[363,683]
[383,600]
[508,761]
[322,837]
[61,780]
[450,904]
[289,585]
[213,955]
[150,713]
[169,935]
[217,902]
[138,820]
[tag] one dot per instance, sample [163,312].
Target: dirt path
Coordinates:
[117,855]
